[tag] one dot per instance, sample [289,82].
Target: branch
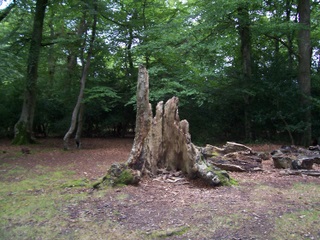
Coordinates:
[282,42]
[113,21]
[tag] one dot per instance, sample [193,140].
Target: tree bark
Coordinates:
[51,54]
[290,38]
[143,119]
[304,69]
[72,74]
[245,39]
[79,126]
[75,114]
[23,130]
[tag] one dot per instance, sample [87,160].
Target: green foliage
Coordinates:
[104,97]
[191,49]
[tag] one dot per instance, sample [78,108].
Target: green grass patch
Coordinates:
[32,203]
[298,225]
[76,183]
[229,223]
[170,232]
[11,172]
[304,193]
[39,203]
[122,196]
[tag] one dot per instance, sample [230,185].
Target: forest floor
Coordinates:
[46,194]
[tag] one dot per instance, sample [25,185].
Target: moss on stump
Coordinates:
[224,178]
[214,176]
[119,175]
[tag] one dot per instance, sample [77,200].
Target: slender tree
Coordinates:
[23,129]
[77,113]
[245,56]
[304,69]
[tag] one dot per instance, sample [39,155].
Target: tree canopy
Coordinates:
[235,65]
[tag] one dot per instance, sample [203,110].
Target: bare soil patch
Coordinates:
[92,161]
[155,209]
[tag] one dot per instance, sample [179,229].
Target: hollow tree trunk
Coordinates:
[23,129]
[163,141]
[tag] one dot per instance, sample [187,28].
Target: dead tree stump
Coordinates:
[167,144]
[163,142]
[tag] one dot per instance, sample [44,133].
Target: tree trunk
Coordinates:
[72,74]
[79,126]
[143,119]
[290,39]
[245,38]
[23,129]
[51,54]
[75,113]
[304,74]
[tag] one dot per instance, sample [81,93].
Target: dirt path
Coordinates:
[265,205]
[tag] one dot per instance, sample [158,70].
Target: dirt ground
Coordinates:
[257,208]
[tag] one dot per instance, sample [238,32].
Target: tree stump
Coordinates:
[163,142]
[167,144]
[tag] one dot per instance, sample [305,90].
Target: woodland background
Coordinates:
[243,70]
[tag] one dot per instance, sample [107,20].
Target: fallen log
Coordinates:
[233,157]
[312,173]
